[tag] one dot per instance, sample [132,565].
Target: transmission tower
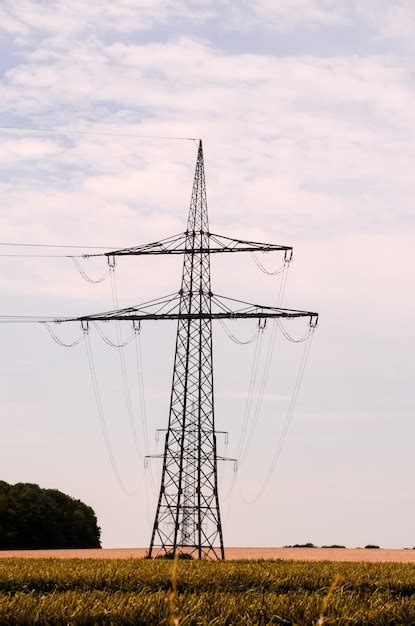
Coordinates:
[188,517]
[188,505]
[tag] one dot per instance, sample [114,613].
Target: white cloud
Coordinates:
[287,14]
[27,149]
[321,138]
[61,21]
[50,17]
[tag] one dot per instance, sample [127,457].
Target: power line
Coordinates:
[123,366]
[88,278]
[59,341]
[287,421]
[92,132]
[265,374]
[56,245]
[101,416]
[41,256]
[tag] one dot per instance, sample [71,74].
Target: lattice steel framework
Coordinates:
[188,516]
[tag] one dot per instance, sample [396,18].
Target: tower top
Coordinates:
[198,213]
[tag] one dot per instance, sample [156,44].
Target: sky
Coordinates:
[306,111]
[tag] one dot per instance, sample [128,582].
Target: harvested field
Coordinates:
[301,554]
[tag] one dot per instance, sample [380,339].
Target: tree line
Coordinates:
[34,518]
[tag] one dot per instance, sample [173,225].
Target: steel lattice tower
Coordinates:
[188,514]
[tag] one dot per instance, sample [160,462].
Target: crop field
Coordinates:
[138,591]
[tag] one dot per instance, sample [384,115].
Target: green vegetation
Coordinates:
[32,518]
[137,591]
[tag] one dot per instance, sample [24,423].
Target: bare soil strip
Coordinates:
[302,554]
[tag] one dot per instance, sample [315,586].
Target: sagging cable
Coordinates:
[59,341]
[287,420]
[235,339]
[289,337]
[108,341]
[249,435]
[288,255]
[85,276]
[141,396]
[124,375]
[100,411]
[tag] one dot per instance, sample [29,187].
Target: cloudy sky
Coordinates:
[306,110]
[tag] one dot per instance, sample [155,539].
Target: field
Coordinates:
[137,591]
[295,554]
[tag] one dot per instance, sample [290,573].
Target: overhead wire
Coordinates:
[97,396]
[263,268]
[290,337]
[88,278]
[108,341]
[235,339]
[254,370]
[265,374]
[40,256]
[242,444]
[59,341]
[29,319]
[142,402]
[121,345]
[287,421]
[250,395]
[101,416]
[56,245]
[91,132]
[229,496]
[123,366]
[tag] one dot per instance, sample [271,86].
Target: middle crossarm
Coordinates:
[168,309]
[177,245]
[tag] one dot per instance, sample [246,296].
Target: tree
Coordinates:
[35,518]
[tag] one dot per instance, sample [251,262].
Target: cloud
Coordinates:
[321,139]
[288,14]
[61,22]
[391,21]
[45,19]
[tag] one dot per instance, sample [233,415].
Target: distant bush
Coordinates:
[335,545]
[302,545]
[33,518]
[169,556]
[371,546]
